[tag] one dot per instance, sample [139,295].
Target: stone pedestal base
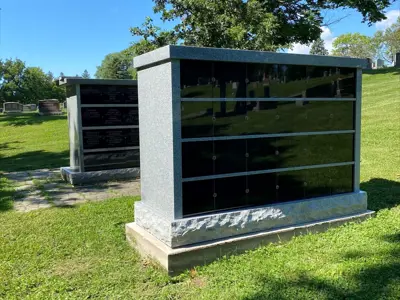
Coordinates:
[179,259]
[56,113]
[79,178]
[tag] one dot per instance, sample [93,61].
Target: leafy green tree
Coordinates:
[11,73]
[355,45]
[388,42]
[85,74]
[116,66]
[253,24]
[318,48]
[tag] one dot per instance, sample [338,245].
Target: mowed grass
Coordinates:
[29,141]
[81,252]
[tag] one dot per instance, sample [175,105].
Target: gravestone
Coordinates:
[370,64]
[397,63]
[65,104]
[12,107]
[49,107]
[218,176]
[103,130]
[26,108]
[33,106]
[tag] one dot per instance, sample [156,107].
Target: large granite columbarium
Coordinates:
[103,130]
[243,148]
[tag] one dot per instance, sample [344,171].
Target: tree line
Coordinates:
[253,25]
[19,83]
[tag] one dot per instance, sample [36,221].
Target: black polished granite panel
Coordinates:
[342,179]
[111,160]
[110,138]
[230,80]
[197,159]
[230,192]
[288,81]
[108,94]
[196,79]
[107,116]
[229,117]
[261,154]
[291,185]
[229,156]
[197,197]
[258,80]
[197,119]
[261,189]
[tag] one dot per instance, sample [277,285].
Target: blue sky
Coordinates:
[71,36]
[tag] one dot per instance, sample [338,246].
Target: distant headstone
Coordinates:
[380,63]
[397,63]
[12,107]
[65,104]
[369,64]
[26,108]
[49,107]
[33,107]
[1,110]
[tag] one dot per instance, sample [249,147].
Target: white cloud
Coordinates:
[327,37]
[391,16]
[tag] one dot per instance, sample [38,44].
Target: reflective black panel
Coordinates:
[230,80]
[287,81]
[262,154]
[319,182]
[197,119]
[110,138]
[261,189]
[229,117]
[322,82]
[230,192]
[287,151]
[258,80]
[230,156]
[106,94]
[196,79]
[197,197]
[291,185]
[107,116]
[342,179]
[347,83]
[111,160]
[197,159]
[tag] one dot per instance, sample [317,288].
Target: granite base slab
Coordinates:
[79,178]
[56,113]
[177,260]
[186,231]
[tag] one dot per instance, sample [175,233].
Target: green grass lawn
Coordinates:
[81,252]
[29,141]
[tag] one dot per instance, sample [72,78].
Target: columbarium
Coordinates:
[243,148]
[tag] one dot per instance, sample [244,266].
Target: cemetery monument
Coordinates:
[103,130]
[12,107]
[49,107]
[243,148]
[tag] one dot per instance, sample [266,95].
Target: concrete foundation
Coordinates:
[177,260]
[79,178]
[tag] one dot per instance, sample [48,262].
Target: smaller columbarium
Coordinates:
[243,148]
[103,130]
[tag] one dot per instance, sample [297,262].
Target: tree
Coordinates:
[318,48]
[85,74]
[61,74]
[26,84]
[251,24]
[116,66]
[355,45]
[388,42]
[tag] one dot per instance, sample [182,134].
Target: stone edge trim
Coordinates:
[186,231]
[176,261]
[79,178]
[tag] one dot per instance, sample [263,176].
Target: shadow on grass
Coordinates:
[382,193]
[34,160]
[27,119]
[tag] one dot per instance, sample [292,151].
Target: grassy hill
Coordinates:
[81,252]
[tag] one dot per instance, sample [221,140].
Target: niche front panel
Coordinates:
[258,134]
